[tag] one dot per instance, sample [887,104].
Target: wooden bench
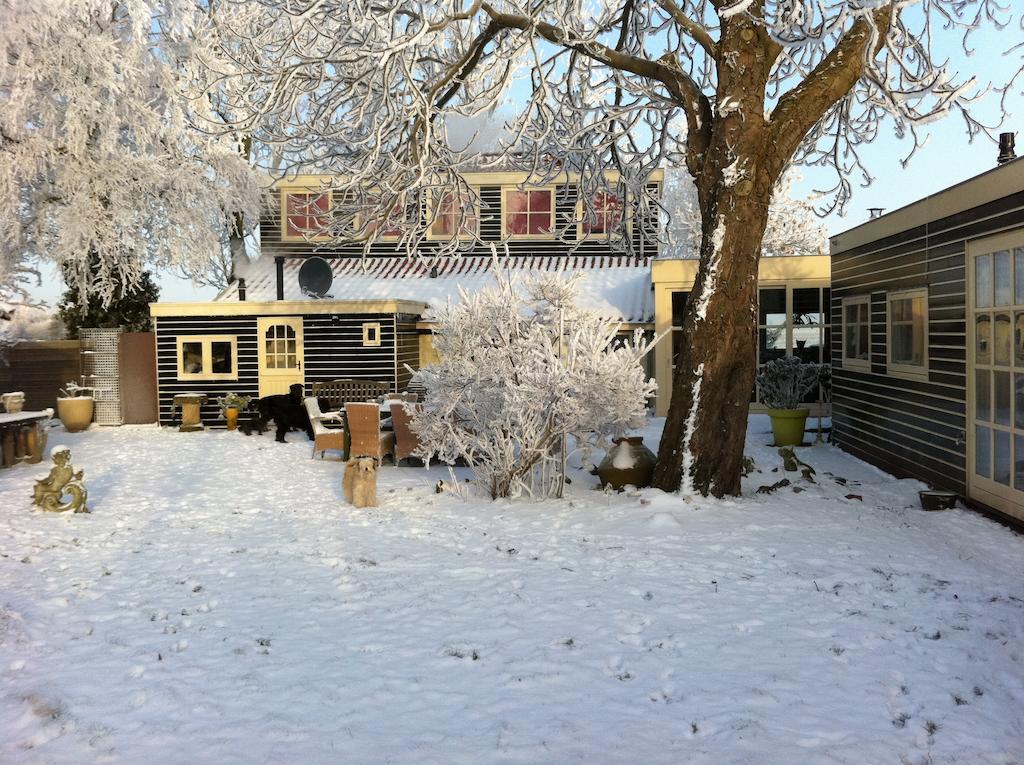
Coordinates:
[341,392]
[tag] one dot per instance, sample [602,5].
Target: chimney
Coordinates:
[1006,152]
[875,212]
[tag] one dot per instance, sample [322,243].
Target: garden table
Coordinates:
[23,436]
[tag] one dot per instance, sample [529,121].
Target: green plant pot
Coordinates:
[788,425]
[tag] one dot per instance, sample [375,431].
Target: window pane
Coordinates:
[983,339]
[1001,396]
[516,223]
[826,304]
[982,281]
[540,201]
[192,358]
[220,357]
[772,344]
[807,306]
[1003,282]
[864,343]
[826,350]
[679,307]
[807,344]
[538,223]
[1001,474]
[982,394]
[517,201]
[1018,410]
[1019,270]
[851,314]
[772,307]
[1018,480]
[1018,339]
[677,346]
[982,451]
[1004,339]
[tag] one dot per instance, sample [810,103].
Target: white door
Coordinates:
[995,470]
[279,349]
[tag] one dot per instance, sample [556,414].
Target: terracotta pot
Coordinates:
[75,413]
[788,425]
[628,463]
[231,415]
[13,402]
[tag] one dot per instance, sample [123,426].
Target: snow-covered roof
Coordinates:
[619,287]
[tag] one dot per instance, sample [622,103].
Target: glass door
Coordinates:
[996,375]
[279,349]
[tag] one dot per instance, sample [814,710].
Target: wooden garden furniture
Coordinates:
[341,392]
[324,438]
[406,440]
[366,438]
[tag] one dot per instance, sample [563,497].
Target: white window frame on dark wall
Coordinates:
[206,343]
[849,361]
[901,369]
[371,334]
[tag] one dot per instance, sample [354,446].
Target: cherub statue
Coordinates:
[62,479]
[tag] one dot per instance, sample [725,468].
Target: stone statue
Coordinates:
[62,479]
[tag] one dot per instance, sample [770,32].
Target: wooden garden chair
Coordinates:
[367,439]
[324,438]
[408,398]
[406,440]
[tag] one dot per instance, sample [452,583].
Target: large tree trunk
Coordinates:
[702,445]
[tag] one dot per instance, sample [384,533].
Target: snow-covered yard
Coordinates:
[223,604]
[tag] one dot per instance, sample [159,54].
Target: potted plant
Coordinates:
[783,384]
[230,404]
[13,402]
[75,407]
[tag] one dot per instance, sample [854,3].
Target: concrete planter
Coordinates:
[788,425]
[75,413]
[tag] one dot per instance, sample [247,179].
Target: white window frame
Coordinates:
[207,341]
[374,327]
[505,190]
[912,371]
[291,191]
[848,361]
[463,235]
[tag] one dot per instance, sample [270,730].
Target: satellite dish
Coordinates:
[315,278]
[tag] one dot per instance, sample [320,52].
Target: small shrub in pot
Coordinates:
[783,384]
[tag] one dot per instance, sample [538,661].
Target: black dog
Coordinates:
[286,410]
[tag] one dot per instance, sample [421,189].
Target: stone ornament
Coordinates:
[63,479]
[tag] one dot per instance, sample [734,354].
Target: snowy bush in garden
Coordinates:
[784,382]
[522,367]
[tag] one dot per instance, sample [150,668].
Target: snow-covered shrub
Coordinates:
[784,382]
[521,368]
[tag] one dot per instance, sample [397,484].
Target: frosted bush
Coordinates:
[522,368]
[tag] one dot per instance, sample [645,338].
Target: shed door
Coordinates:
[280,353]
[996,377]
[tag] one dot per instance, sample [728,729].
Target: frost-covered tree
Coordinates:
[793,228]
[523,366]
[364,89]
[101,171]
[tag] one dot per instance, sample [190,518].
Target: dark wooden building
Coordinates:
[928,340]
[261,348]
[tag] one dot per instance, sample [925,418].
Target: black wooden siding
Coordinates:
[333,349]
[913,428]
[643,233]
[407,350]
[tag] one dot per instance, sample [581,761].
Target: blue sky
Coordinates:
[948,157]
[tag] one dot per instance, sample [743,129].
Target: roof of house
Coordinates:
[617,286]
[995,183]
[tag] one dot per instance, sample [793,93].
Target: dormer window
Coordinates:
[604,216]
[456,215]
[306,215]
[528,213]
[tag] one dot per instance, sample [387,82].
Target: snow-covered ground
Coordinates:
[222,604]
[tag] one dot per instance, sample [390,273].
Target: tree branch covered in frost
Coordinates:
[522,366]
[365,88]
[793,226]
[97,157]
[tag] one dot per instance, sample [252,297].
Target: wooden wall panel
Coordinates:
[40,369]
[912,428]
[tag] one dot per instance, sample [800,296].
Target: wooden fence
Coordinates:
[40,368]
